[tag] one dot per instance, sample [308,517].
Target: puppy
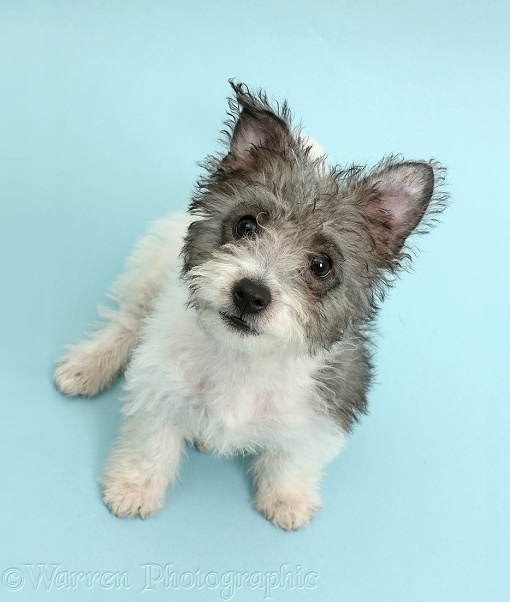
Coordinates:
[243,326]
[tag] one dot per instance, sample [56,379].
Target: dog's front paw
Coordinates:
[288,508]
[132,499]
[202,445]
[83,372]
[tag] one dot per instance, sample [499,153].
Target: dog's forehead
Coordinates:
[306,206]
[316,207]
[300,193]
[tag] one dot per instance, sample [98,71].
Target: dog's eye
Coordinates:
[321,266]
[246,226]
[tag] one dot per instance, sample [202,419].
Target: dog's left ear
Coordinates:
[394,199]
[257,134]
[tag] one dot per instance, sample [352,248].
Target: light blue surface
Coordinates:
[105,108]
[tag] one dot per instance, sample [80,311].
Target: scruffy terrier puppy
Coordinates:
[243,325]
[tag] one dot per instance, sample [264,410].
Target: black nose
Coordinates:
[250,297]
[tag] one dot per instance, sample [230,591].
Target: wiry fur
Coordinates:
[292,380]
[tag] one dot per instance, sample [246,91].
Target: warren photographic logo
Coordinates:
[52,577]
[153,577]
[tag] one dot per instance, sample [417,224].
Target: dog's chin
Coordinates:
[228,328]
[235,333]
[238,325]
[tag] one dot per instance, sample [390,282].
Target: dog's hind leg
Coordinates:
[92,365]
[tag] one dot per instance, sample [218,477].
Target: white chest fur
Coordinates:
[227,397]
[238,401]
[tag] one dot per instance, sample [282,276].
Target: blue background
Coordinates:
[105,109]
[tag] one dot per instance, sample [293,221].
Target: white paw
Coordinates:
[82,372]
[202,445]
[289,508]
[132,499]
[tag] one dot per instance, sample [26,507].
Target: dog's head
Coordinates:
[287,252]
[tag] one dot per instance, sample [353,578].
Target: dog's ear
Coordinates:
[258,132]
[394,198]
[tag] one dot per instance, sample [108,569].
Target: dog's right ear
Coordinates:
[257,134]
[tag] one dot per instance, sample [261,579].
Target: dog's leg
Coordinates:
[144,462]
[284,494]
[92,365]
[202,445]
[286,483]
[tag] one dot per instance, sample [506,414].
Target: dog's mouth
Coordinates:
[237,324]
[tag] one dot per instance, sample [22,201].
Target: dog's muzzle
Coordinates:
[250,298]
